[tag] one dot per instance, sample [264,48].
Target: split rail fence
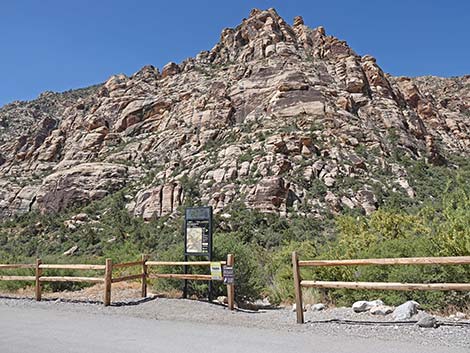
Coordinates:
[299,283]
[107,278]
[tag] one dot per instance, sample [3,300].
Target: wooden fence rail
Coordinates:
[299,283]
[107,278]
[15,266]
[196,277]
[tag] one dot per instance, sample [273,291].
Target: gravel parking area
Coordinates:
[447,335]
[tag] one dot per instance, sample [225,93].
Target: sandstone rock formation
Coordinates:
[283,118]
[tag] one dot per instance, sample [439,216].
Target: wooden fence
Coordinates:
[197,277]
[107,278]
[299,283]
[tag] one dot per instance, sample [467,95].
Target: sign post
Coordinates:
[197,237]
[229,279]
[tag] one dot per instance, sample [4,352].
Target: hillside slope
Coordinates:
[282,118]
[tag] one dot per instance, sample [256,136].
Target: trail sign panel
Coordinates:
[194,240]
[198,231]
[229,277]
[216,271]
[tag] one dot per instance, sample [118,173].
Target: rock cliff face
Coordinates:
[283,118]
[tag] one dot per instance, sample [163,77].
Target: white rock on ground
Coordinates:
[222,299]
[381,310]
[405,310]
[318,307]
[364,305]
[263,303]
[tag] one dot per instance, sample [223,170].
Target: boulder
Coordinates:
[82,217]
[71,251]
[367,201]
[24,201]
[318,307]
[457,316]
[428,322]
[222,299]
[405,311]
[381,310]
[263,303]
[364,305]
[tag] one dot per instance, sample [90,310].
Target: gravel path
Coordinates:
[446,338]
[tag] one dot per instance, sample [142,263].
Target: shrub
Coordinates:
[279,269]
[249,277]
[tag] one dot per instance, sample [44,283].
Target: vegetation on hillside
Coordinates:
[435,223]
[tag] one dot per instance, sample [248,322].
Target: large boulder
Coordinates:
[80,184]
[381,310]
[405,311]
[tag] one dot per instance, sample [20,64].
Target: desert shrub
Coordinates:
[394,234]
[173,253]
[249,277]
[279,269]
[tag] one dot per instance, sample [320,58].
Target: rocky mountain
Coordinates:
[283,118]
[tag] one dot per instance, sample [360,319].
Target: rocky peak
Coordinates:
[298,21]
[249,40]
[265,33]
[148,74]
[282,118]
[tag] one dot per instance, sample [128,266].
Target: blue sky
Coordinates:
[59,45]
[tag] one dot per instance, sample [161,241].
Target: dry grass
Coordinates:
[121,291]
[452,310]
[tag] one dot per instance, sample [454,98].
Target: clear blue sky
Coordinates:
[60,44]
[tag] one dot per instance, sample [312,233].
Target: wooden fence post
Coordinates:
[144,275]
[38,282]
[298,289]
[108,276]
[230,287]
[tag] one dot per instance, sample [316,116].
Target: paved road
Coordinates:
[49,331]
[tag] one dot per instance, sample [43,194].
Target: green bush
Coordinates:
[249,280]
[281,281]
[387,234]
[249,277]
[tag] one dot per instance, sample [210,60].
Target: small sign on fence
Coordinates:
[216,271]
[229,277]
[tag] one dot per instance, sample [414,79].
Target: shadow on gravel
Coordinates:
[137,301]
